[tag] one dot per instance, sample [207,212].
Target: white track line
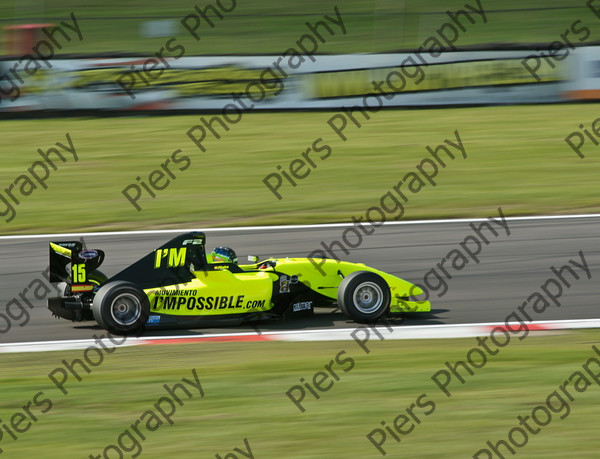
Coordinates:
[360,333]
[293,227]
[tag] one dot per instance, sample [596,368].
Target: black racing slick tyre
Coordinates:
[121,307]
[364,296]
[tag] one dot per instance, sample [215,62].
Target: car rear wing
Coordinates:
[71,262]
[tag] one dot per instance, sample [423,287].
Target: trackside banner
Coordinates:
[584,75]
[284,82]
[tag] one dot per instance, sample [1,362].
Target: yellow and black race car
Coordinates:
[178,284]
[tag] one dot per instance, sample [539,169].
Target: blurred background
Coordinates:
[148,115]
[266,26]
[118,68]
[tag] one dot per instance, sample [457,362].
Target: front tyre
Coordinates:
[121,307]
[364,296]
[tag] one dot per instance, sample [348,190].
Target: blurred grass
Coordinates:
[245,387]
[270,26]
[517,159]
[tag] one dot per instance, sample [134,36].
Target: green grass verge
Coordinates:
[244,397]
[516,158]
[270,26]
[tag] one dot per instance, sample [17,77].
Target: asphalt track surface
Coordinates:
[510,269]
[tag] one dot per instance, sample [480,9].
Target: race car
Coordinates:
[178,284]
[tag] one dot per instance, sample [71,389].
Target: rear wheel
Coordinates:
[364,296]
[121,307]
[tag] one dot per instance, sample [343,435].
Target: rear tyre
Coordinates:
[364,296]
[121,307]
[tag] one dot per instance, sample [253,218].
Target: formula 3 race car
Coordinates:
[178,285]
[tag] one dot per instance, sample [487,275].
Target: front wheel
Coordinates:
[364,296]
[121,307]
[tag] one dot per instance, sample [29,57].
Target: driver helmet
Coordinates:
[224,255]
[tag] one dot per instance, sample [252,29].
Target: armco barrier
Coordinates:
[208,83]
